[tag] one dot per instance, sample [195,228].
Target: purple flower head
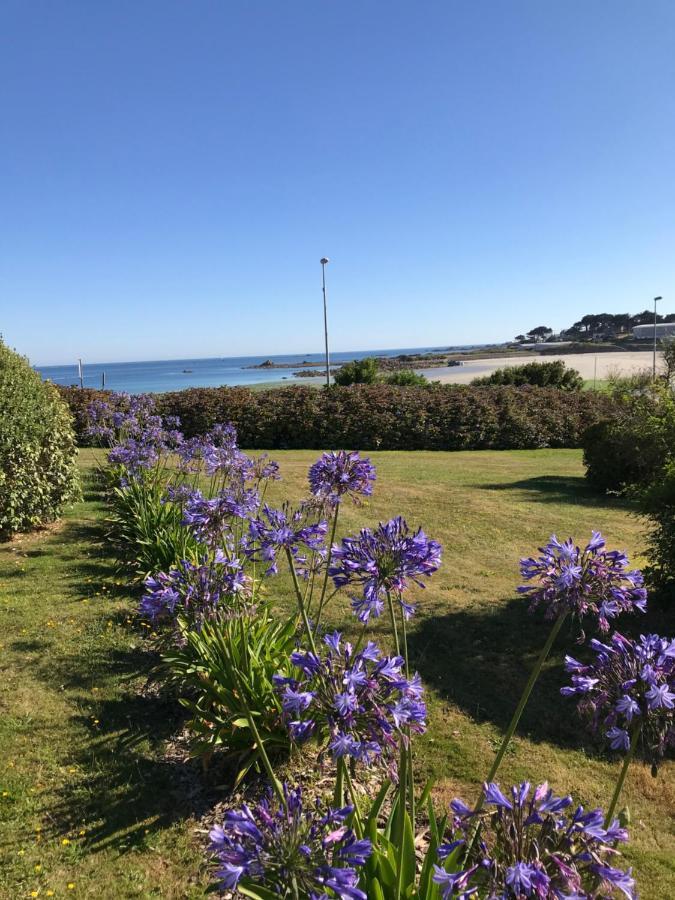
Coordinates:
[273,845]
[356,704]
[211,519]
[631,684]
[591,582]
[533,847]
[339,473]
[383,560]
[276,530]
[196,591]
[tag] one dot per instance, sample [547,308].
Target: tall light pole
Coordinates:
[324,261]
[656,299]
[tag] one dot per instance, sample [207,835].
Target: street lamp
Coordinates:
[656,299]
[324,261]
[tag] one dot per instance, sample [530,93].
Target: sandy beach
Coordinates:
[590,365]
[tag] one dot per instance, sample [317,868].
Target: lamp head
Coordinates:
[657,298]
[324,260]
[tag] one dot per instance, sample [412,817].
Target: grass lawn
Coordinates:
[91,805]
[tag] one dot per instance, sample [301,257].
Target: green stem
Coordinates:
[322,599]
[411,779]
[392,616]
[534,675]
[276,784]
[301,602]
[339,790]
[624,771]
[355,802]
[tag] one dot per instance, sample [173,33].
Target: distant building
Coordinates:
[646,332]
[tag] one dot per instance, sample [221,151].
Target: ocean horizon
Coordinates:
[157,376]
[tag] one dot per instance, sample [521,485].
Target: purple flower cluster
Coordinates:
[532,844]
[631,684]
[383,560]
[197,591]
[284,529]
[340,473]
[290,850]
[356,703]
[590,582]
[211,519]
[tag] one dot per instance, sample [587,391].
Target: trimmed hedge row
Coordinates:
[384,417]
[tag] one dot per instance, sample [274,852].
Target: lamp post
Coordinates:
[656,299]
[324,261]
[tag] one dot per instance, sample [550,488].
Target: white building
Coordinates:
[646,332]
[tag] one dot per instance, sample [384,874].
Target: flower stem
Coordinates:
[624,771]
[322,599]
[534,675]
[339,789]
[392,616]
[301,602]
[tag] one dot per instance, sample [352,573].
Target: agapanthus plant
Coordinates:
[534,844]
[339,474]
[628,694]
[382,563]
[290,849]
[357,704]
[591,583]
[197,591]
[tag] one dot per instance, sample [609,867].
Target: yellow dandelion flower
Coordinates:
[65,842]
[50,893]
[71,885]
[35,893]
[38,868]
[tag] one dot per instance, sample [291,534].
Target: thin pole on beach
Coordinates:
[324,261]
[656,299]
[79,366]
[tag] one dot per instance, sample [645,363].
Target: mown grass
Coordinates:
[82,748]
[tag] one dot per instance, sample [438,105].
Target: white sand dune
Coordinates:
[590,365]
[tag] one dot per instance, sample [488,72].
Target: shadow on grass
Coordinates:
[480,659]
[559,489]
[125,783]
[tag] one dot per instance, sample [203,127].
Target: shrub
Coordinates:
[634,445]
[387,417]
[406,378]
[37,448]
[657,503]
[360,371]
[547,374]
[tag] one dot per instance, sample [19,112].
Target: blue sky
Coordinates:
[171,172]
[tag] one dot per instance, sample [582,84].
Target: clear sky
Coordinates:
[172,171]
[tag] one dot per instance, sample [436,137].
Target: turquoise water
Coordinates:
[174,374]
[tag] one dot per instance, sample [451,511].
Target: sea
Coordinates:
[157,376]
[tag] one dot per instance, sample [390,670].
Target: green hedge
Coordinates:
[37,448]
[385,417]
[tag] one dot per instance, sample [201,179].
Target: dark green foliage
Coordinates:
[147,533]
[633,446]
[406,378]
[225,671]
[386,417]
[37,448]
[657,502]
[360,371]
[548,374]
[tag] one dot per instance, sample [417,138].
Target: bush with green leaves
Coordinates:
[547,374]
[633,445]
[360,371]
[38,475]
[406,378]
